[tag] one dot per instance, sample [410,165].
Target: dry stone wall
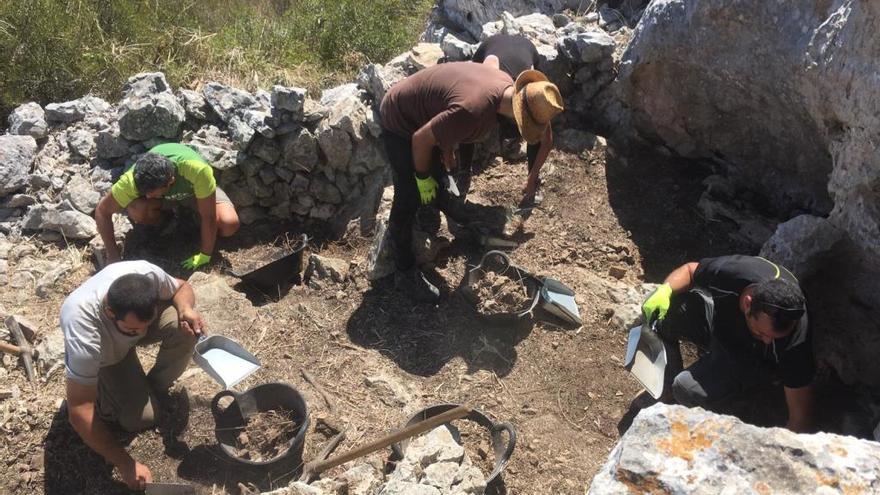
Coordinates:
[279,154]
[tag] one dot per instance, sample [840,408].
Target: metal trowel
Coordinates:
[169,489]
[646,358]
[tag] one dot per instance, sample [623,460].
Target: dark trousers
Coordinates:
[406,202]
[719,372]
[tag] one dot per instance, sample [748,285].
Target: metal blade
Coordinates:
[170,489]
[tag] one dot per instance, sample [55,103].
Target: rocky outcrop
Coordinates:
[676,450]
[782,99]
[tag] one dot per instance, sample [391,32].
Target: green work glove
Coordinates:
[427,189]
[197,260]
[657,304]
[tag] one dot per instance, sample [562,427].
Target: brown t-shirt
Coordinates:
[459,99]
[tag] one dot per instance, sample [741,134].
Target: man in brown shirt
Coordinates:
[437,109]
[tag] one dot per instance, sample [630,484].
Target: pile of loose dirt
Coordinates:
[498,294]
[266,435]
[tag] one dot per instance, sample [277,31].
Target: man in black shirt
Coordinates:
[749,314]
[513,55]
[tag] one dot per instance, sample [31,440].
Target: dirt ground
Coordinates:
[563,389]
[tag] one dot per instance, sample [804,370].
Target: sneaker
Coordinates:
[414,283]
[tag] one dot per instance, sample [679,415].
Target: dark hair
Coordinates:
[133,293]
[152,171]
[780,299]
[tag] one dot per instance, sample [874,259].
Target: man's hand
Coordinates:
[191,321]
[427,189]
[529,191]
[196,260]
[136,475]
[657,303]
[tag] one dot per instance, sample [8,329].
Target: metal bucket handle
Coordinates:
[503,450]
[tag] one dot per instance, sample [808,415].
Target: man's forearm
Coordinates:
[96,435]
[682,278]
[104,224]
[184,298]
[208,231]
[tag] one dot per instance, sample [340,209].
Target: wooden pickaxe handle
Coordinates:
[9,348]
[388,440]
[24,347]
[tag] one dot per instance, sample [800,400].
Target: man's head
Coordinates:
[132,302]
[773,308]
[535,102]
[153,175]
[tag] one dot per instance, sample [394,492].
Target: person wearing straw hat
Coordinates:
[514,55]
[426,117]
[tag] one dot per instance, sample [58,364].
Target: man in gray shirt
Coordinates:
[124,305]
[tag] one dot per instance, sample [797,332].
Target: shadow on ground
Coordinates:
[655,198]
[421,338]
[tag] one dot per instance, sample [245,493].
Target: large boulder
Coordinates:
[149,109]
[783,99]
[28,120]
[676,450]
[16,157]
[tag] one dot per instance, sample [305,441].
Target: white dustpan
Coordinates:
[646,359]
[224,360]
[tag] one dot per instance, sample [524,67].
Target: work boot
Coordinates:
[414,283]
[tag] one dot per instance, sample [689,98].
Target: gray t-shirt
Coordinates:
[91,339]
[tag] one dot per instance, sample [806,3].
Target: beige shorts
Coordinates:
[192,204]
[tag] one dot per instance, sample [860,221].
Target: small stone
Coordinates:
[617,272]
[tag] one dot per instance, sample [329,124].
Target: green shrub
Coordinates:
[55,50]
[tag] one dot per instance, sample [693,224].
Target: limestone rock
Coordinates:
[390,389]
[290,100]
[361,479]
[299,151]
[335,143]
[677,450]
[145,84]
[76,110]
[28,120]
[81,142]
[72,224]
[587,47]
[110,144]
[324,269]
[50,351]
[194,104]
[471,15]
[50,279]
[215,146]
[802,244]
[265,149]
[376,80]
[243,113]
[454,49]
[227,307]
[16,156]
[148,116]
[82,195]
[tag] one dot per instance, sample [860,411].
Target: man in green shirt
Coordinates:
[168,172]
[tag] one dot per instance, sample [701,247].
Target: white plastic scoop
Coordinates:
[224,360]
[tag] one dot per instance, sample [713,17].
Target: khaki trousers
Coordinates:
[126,394]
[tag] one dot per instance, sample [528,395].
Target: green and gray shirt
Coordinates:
[194,176]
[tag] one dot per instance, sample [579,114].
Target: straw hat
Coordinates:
[535,102]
